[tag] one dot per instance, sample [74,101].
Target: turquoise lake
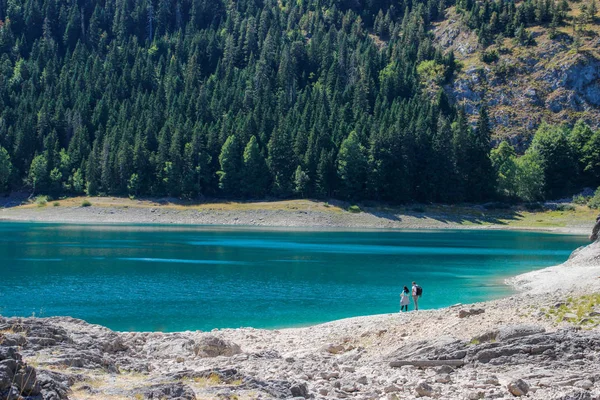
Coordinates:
[174,278]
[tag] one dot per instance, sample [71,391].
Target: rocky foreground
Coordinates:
[539,346]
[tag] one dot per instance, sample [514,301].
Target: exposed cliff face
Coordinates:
[549,81]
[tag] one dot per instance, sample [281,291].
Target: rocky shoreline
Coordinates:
[296,214]
[541,344]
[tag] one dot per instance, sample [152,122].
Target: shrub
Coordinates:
[489,57]
[41,201]
[354,209]
[594,202]
[85,203]
[56,204]
[565,207]
[580,199]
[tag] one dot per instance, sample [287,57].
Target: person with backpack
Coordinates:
[595,230]
[404,299]
[417,291]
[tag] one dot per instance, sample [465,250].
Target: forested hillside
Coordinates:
[252,98]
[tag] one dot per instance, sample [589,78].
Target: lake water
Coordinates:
[197,278]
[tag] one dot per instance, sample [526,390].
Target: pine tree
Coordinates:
[230,161]
[481,181]
[38,174]
[280,162]
[255,173]
[352,166]
[6,169]
[301,180]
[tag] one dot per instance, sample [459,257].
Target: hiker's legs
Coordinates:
[416,301]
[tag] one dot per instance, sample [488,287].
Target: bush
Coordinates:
[85,203]
[581,199]
[565,207]
[354,209]
[489,57]
[56,204]
[594,202]
[41,201]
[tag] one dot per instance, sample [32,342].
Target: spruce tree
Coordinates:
[230,161]
[255,173]
[6,169]
[352,167]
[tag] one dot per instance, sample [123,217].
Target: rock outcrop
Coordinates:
[60,358]
[527,84]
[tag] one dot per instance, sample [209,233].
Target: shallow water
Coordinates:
[187,278]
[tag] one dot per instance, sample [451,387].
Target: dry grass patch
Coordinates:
[583,310]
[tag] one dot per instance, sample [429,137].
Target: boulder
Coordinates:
[26,380]
[585,384]
[515,331]
[423,389]
[172,391]
[212,346]
[54,385]
[470,312]
[334,348]
[579,395]
[518,387]
[299,390]
[391,389]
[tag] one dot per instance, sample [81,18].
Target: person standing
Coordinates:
[404,299]
[415,295]
[594,235]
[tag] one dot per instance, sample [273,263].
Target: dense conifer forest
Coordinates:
[253,98]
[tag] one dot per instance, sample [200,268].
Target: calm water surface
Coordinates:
[180,278]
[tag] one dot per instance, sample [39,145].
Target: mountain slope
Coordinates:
[556,80]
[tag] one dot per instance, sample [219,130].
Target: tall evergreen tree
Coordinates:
[230,160]
[352,167]
[255,173]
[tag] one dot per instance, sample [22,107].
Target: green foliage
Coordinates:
[352,166]
[255,175]
[41,201]
[504,162]
[195,98]
[6,169]
[489,56]
[230,160]
[133,186]
[56,204]
[354,209]
[530,178]
[301,181]
[431,72]
[509,19]
[38,174]
[595,200]
[565,207]
[581,199]
[552,151]
[86,203]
